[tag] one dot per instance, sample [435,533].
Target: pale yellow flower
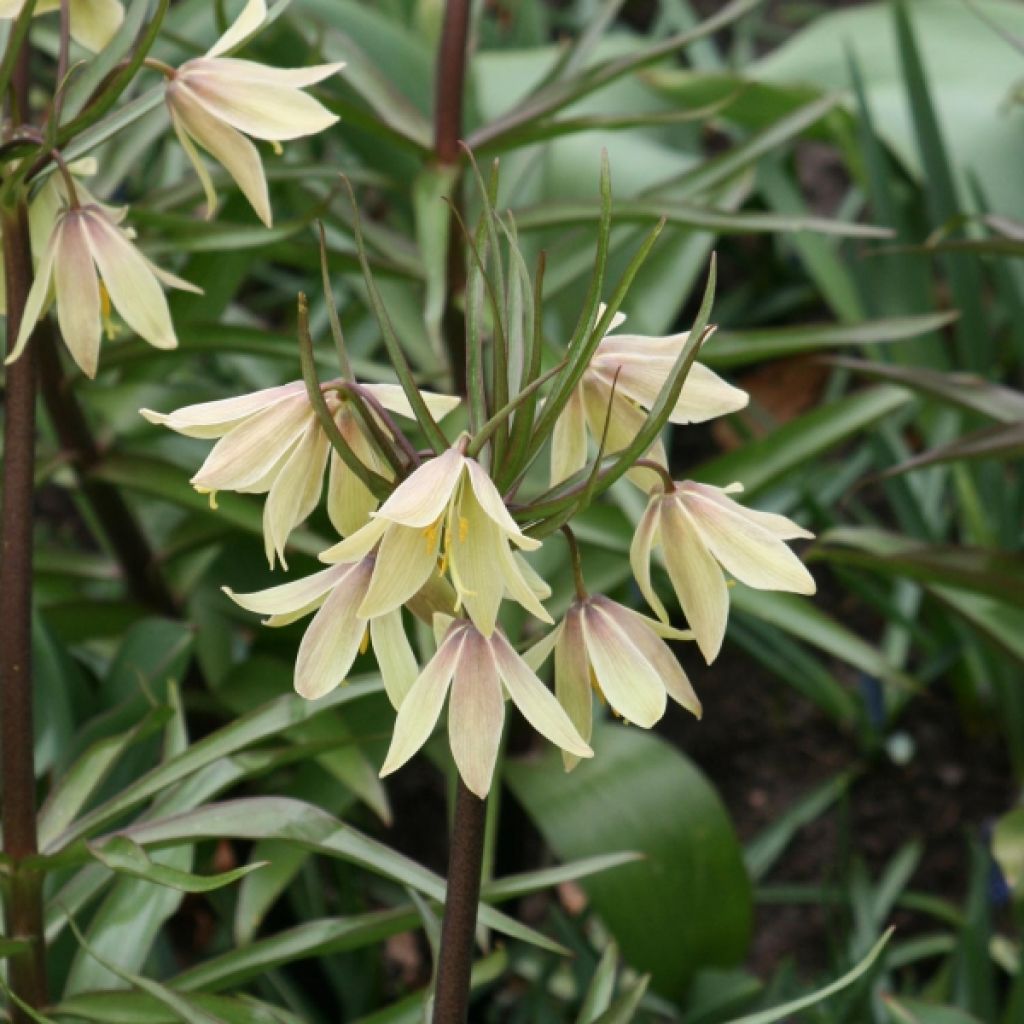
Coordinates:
[90,264]
[337,633]
[637,367]
[480,671]
[449,509]
[217,101]
[272,443]
[93,22]
[602,645]
[702,531]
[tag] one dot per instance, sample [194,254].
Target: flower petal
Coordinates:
[535,701]
[94,22]
[491,502]
[405,561]
[395,658]
[569,439]
[78,294]
[290,597]
[392,397]
[350,502]
[473,553]
[625,421]
[783,528]
[358,545]
[640,550]
[214,419]
[536,655]
[35,301]
[239,70]
[197,162]
[251,17]
[572,680]
[422,497]
[476,714]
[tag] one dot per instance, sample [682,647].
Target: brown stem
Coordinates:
[23,895]
[455,961]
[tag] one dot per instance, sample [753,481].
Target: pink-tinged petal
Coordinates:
[395,658]
[78,295]
[535,701]
[422,705]
[640,553]
[231,148]
[291,597]
[35,301]
[572,680]
[392,397]
[295,491]
[569,439]
[491,502]
[752,554]
[214,419]
[332,640]
[476,714]
[626,678]
[780,526]
[360,544]
[134,291]
[259,74]
[696,578]
[422,497]
[242,458]
[405,561]
[658,654]
[248,21]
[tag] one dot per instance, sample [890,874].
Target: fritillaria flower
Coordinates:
[91,264]
[480,671]
[217,101]
[449,509]
[620,386]
[602,645]
[337,633]
[272,443]
[93,22]
[702,531]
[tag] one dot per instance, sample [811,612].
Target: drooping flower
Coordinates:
[216,101]
[602,645]
[93,22]
[91,265]
[702,531]
[620,386]
[337,633]
[448,505]
[272,443]
[479,670]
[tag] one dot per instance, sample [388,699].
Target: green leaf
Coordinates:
[623,1010]
[140,1008]
[997,442]
[601,988]
[1001,622]
[917,1011]
[688,904]
[514,886]
[13,947]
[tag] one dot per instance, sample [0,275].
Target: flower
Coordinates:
[480,670]
[272,443]
[92,264]
[602,645]
[450,505]
[217,101]
[699,529]
[337,633]
[636,367]
[93,22]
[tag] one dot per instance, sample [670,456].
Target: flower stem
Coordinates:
[23,889]
[455,961]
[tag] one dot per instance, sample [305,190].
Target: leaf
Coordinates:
[688,904]
[601,988]
[997,442]
[623,1010]
[13,947]
[514,886]
[1001,622]
[112,1007]
[917,1011]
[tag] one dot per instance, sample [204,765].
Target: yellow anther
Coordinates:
[212,493]
[278,148]
[463,529]
[430,536]
[110,329]
[596,687]
[364,644]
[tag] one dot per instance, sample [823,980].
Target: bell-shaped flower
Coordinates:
[702,531]
[93,22]
[272,443]
[89,265]
[449,509]
[480,671]
[216,101]
[337,633]
[620,386]
[605,647]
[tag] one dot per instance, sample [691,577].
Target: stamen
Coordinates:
[364,644]
[211,492]
[110,329]
[463,529]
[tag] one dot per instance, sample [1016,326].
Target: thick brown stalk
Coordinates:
[455,961]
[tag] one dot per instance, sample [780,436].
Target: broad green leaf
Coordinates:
[1001,622]
[260,891]
[917,1011]
[688,904]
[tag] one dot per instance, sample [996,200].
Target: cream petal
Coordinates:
[93,22]
[696,578]
[518,584]
[405,561]
[535,701]
[350,502]
[752,554]
[569,439]
[196,160]
[214,419]
[626,420]
[332,640]
[239,70]
[78,295]
[395,658]
[291,597]
[134,291]
[476,714]
[357,546]
[536,655]
[422,705]
[572,680]
[626,677]
[491,502]
[35,301]
[640,550]
[780,526]
[392,397]
[537,584]
[422,497]
[251,17]
[472,556]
